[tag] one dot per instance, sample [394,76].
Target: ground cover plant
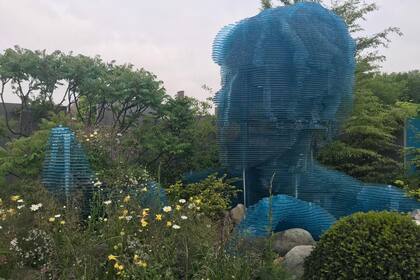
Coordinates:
[43,239]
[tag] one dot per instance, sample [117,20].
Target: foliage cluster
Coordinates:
[179,138]
[370,146]
[92,87]
[21,159]
[375,245]
[121,239]
[216,192]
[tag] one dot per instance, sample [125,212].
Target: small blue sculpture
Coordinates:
[287,77]
[68,176]
[412,143]
[66,169]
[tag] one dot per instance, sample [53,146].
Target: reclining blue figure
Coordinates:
[287,76]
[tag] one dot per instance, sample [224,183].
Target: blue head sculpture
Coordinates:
[287,77]
[287,73]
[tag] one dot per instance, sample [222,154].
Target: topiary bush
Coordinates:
[374,245]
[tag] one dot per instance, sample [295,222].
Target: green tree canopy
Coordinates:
[91,85]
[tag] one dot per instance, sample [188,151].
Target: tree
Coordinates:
[266,4]
[387,87]
[368,147]
[367,46]
[92,86]
[180,138]
[411,92]
[31,76]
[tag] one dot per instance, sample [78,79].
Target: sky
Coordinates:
[171,39]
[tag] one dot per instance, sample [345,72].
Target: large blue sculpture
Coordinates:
[287,77]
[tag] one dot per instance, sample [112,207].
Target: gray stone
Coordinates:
[237,213]
[415,214]
[284,241]
[294,260]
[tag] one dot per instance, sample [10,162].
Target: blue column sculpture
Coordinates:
[66,169]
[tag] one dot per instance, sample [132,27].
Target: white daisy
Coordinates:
[35,207]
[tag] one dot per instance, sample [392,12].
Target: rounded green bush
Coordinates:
[374,245]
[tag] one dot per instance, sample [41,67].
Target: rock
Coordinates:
[284,241]
[415,214]
[294,259]
[237,213]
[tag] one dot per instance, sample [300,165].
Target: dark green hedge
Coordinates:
[374,245]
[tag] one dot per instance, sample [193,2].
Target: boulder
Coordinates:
[294,260]
[284,241]
[237,213]
[415,214]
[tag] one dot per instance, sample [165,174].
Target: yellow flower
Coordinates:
[139,261]
[168,223]
[178,207]
[126,199]
[158,217]
[146,212]
[51,219]
[15,197]
[118,266]
[197,201]
[112,258]
[62,222]
[144,223]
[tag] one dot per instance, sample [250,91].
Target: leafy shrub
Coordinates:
[22,158]
[374,245]
[213,195]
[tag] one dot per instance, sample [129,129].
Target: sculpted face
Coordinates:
[251,133]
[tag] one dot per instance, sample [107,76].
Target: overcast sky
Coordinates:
[170,38]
